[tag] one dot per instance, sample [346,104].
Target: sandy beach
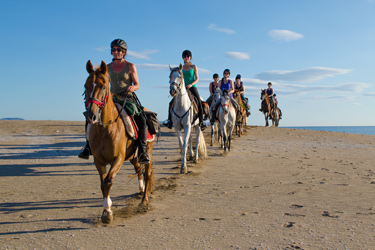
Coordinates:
[278,188]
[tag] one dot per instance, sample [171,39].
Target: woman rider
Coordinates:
[238,85]
[124,82]
[190,73]
[212,87]
[224,84]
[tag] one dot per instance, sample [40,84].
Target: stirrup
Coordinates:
[85,153]
[143,158]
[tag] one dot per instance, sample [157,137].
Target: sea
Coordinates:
[364,130]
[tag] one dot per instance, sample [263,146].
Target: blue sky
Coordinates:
[319,55]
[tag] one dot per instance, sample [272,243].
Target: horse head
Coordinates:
[97,91]
[225,100]
[176,81]
[263,94]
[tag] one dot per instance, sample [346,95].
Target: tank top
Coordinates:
[119,81]
[239,88]
[189,77]
[226,86]
[213,87]
[269,92]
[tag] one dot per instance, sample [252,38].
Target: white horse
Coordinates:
[227,118]
[182,117]
[215,128]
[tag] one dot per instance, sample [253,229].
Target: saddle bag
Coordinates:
[152,122]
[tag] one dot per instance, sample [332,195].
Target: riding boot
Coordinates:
[170,123]
[85,152]
[143,157]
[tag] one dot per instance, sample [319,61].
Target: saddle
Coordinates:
[130,125]
[205,106]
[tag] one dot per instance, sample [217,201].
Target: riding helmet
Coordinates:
[215,75]
[269,83]
[238,76]
[186,53]
[226,70]
[120,43]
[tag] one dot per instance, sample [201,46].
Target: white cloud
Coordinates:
[285,35]
[142,55]
[304,75]
[238,55]
[223,30]
[149,66]
[103,48]
[163,67]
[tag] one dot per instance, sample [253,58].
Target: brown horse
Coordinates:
[241,114]
[274,113]
[109,142]
[266,105]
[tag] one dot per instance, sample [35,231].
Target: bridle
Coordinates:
[176,86]
[101,105]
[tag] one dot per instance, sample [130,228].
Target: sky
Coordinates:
[319,55]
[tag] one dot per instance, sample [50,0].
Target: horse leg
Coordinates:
[266,118]
[197,140]
[212,134]
[107,215]
[224,144]
[184,149]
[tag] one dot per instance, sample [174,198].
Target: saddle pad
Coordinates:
[130,126]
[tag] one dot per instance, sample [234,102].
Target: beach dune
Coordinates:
[278,188]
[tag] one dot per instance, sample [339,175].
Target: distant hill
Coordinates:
[12,118]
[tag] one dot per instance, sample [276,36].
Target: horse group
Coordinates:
[112,142]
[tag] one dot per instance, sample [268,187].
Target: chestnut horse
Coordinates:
[267,111]
[109,142]
[241,114]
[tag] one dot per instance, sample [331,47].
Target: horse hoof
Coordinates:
[196,161]
[183,170]
[107,217]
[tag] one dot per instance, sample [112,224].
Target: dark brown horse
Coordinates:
[274,113]
[109,142]
[241,114]
[266,105]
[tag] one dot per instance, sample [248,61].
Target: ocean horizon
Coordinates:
[364,130]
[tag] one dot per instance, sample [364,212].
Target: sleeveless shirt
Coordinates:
[269,92]
[239,88]
[119,81]
[213,87]
[226,86]
[189,77]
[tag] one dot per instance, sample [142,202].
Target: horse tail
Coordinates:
[202,148]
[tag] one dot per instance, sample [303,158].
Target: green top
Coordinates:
[119,81]
[189,77]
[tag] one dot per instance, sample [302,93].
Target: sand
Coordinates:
[277,189]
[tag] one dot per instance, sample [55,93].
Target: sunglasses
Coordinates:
[116,49]
[185,56]
[226,73]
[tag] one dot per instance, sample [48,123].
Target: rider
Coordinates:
[190,73]
[212,87]
[270,94]
[277,103]
[124,82]
[238,85]
[224,84]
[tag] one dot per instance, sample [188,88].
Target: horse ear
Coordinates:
[89,67]
[170,67]
[180,66]
[103,67]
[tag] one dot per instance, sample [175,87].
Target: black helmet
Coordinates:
[238,76]
[120,43]
[269,83]
[215,75]
[226,70]
[186,53]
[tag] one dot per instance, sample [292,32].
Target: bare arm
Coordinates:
[232,87]
[195,68]
[134,75]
